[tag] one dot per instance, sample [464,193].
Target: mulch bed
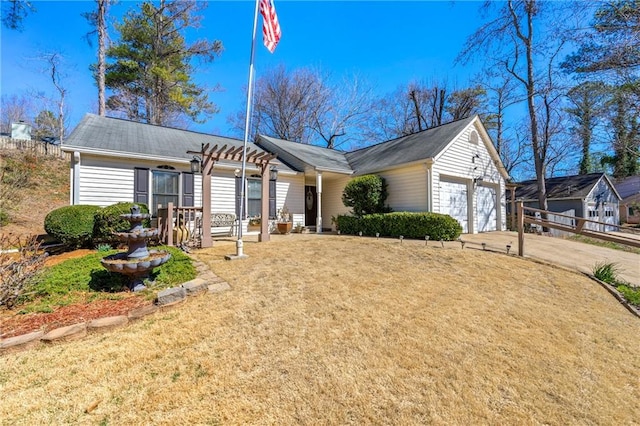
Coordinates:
[14,324]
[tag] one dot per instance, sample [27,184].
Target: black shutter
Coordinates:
[238,194]
[272,199]
[141,186]
[187,190]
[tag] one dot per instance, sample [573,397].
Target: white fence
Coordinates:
[37,147]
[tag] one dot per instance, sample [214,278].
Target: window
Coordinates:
[473,137]
[253,197]
[165,189]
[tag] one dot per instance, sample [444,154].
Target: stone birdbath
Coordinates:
[138,261]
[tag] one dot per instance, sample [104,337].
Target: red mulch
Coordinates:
[14,324]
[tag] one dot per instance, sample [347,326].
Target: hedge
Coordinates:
[107,221]
[410,225]
[71,225]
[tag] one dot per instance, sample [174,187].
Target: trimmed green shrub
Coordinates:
[107,221]
[71,225]
[366,195]
[410,225]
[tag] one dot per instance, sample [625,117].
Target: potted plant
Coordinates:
[284,221]
[254,223]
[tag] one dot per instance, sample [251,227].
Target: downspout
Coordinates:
[75,179]
[428,168]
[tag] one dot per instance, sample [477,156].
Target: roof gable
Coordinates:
[576,186]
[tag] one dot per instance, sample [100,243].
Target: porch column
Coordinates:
[319,203]
[206,203]
[264,206]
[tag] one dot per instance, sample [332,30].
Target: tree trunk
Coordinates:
[102,35]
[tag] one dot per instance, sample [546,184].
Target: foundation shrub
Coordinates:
[106,221]
[408,224]
[71,225]
[366,195]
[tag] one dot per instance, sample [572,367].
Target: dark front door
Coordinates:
[310,206]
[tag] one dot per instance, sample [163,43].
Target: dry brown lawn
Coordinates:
[341,330]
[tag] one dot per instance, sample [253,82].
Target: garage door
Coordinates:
[486,208]
[453,201]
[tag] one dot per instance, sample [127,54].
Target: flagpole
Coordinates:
[239,244]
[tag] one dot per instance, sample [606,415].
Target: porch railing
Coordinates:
[175,221]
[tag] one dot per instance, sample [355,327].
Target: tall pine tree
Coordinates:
[150,73]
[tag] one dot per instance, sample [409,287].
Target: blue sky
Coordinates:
[387,42]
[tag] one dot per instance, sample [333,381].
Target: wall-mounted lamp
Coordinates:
[196,164]
[236,172]
[473,159]
[273,173]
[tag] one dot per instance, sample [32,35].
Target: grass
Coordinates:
[84,280]
[608,272]
[344,330]
[607,244]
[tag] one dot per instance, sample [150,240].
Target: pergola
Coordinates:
[208,158]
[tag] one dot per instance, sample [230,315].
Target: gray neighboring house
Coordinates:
[629,190]
[452,169]
[591,196]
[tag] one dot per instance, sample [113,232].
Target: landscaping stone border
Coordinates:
[167,299]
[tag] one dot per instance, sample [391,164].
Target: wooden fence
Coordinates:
[36,147]
[566,223]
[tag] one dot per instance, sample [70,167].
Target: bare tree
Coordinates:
[14,108]
[515,41]
[344,110]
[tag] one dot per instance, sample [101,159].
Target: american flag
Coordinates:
[270,26]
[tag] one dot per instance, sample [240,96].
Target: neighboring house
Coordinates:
[591,196]
[629,190]
[452,169]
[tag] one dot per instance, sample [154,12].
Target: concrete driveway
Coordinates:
[567,253]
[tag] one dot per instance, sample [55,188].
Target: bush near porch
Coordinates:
[409,225]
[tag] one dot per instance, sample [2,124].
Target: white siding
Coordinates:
[103,186]
[332,188]
[407,188]
[290,192]
[465,161]
[223,191]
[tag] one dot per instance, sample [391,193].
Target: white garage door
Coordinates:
[453,201]
[486,208]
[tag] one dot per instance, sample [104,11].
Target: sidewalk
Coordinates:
[567,253]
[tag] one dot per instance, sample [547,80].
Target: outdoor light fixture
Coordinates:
[237,172]
[196,165]
[273,173]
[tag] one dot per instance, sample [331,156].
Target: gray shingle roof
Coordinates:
[302,156]
[124,136]
[577,186]
[418,146]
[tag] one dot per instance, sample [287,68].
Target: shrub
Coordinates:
[410,225]
[107,221]
[71,225]
[366,195]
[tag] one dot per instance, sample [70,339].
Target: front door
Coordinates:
[310,206]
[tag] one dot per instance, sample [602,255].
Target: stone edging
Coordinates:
[207,281]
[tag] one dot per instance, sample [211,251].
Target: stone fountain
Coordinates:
[138,261]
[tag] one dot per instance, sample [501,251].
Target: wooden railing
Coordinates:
[576,226]
[174,222]
[37,147]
